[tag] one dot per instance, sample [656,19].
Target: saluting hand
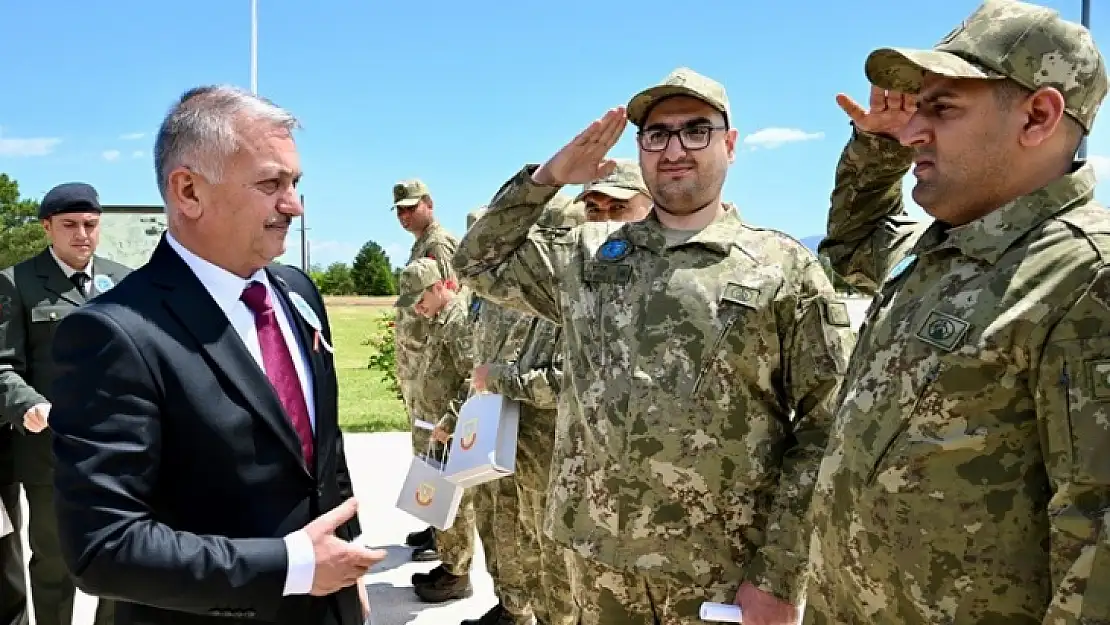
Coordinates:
[583,159]
[37,418]
[890,111]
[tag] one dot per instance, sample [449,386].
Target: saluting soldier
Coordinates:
[35,295]
[967,479]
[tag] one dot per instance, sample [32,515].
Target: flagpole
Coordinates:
[254,46]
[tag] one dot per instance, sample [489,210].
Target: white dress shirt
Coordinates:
[227,288]
[69,271]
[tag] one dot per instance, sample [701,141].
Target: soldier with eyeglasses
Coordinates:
[702,361]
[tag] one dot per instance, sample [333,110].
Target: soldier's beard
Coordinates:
[683,197]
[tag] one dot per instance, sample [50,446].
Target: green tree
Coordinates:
[21,235]
[372,273]
[335,280]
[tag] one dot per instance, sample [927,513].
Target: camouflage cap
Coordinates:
[682,81]
[415,278]
[562,212]
[623,183]
[409,192]
[1028,44]
[473,216]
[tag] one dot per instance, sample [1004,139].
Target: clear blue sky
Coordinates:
[460,94]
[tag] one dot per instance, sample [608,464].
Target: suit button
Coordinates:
[319,492]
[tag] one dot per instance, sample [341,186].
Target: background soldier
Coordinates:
[413,202]
[703,357]
[967,479]
[34,296]
[621,196]
[498,334]
[443,370]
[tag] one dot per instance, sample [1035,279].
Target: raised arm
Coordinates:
[868,229]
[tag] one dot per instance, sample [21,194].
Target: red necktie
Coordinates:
[278,363]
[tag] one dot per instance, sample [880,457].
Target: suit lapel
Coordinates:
[190,302]
[55,280]
[306,336]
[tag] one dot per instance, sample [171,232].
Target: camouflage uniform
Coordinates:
[967,481]
[535,379]
[498,335]
[411,331]
[443,370]
[676,457]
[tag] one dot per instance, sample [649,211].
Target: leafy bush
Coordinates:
[384,355]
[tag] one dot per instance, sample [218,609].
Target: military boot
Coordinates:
[497,615]
[422,537]
[441,586]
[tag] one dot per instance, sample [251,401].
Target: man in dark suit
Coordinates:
[200,475]
[35,295]
[13,586]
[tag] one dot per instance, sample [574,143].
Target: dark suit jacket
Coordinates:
[177,469]
[35,296]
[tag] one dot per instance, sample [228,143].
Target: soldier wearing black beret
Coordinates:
[34,296]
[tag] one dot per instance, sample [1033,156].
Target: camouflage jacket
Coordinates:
[534,380]
[444,366]
[536,377]
[499,332]
[411,331]
[700,381]
[967,480]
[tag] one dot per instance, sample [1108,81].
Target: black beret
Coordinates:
[71,197]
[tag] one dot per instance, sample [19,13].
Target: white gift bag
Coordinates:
[426,495]
[483,445]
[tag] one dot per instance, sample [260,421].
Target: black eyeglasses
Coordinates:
[689,137]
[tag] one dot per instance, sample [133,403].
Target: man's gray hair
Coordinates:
[201,130]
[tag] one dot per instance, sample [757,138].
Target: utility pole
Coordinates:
[305,260]
[1086,20]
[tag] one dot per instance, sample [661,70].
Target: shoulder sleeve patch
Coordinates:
[836,314]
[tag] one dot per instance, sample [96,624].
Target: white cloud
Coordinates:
[770,138]
[110,155]
[132,136]
[33,146]
[138,154]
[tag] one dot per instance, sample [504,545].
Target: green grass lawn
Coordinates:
[366,403]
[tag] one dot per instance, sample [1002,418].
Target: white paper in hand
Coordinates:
[423,425]
[721,613]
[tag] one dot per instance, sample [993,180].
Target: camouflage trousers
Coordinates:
[456,545]
[552,599]
[509,563]
[609,596]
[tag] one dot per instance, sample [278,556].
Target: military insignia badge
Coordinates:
[943,330]
[615,249]
[425,494]
[468,434]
